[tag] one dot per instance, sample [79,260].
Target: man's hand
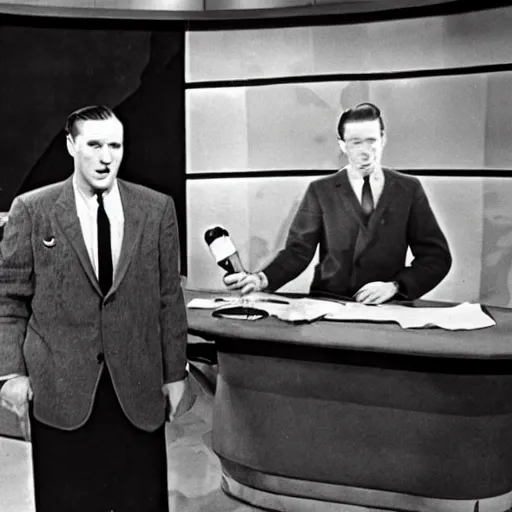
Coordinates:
[245,282]
[15,395]
[180,396]
[376,292]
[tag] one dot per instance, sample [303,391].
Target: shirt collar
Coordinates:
[108,195]
[353,175]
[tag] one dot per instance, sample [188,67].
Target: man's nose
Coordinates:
[106,155]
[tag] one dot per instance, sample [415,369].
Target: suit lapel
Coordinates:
[384,201]
[348,198]
[67,218]
[134,216]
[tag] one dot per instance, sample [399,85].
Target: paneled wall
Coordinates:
[261,113]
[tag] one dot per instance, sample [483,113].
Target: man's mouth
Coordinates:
[103,171]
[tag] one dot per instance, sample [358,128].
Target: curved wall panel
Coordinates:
[262,110]
[417,44]
[257,212]
[438,123]
[222,9]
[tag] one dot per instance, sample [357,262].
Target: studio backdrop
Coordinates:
[50,67]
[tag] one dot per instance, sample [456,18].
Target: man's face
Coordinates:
[363,145]
[97,150]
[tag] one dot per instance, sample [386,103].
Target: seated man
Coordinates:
[364,218]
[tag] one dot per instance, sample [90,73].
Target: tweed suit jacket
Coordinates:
[353,254]
[58,328]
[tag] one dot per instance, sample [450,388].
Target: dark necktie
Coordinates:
[105,269]
[367,199]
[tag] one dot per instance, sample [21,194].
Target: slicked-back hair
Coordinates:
[90,113]
[361,112]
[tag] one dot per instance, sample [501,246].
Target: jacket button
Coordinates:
[100,357]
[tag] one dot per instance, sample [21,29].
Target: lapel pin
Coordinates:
[49,243]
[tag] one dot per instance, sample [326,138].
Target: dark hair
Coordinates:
[361,112]
[90,113]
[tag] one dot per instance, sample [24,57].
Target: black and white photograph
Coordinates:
[255,255]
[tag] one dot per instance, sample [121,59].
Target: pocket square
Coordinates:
[50,242]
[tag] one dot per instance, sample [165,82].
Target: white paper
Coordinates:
[465,316]
[208,303]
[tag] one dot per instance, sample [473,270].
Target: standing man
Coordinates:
[364,218]
[93,328]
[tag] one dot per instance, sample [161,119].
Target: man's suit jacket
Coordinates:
[352,254]
[58,328]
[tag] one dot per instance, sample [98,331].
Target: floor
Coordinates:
[194,470]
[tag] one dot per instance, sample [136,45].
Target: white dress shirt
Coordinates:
[87,210]
[376,183]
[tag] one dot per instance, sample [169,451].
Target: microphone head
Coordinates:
[223,250]
[219,243]
[212,234]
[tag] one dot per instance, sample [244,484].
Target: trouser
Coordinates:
[107,465]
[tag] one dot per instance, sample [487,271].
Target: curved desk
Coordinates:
[307,417]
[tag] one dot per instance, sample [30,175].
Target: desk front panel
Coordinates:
[418,430]
[361,413]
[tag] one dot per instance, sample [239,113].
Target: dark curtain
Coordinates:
[51,67]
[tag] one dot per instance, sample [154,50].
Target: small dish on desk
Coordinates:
[240,313]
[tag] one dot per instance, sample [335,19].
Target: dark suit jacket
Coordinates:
[56,326]
[352,254]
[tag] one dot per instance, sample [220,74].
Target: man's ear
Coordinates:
[70,144]
[384,139]
[343,146]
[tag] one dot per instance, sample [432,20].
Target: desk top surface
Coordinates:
[489,343]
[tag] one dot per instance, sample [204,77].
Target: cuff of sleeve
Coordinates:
[263,280]
[399,289]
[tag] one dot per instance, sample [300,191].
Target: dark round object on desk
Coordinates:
[240,313]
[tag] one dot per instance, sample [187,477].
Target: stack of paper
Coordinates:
[464,316]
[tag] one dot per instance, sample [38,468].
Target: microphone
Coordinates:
[223,250]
